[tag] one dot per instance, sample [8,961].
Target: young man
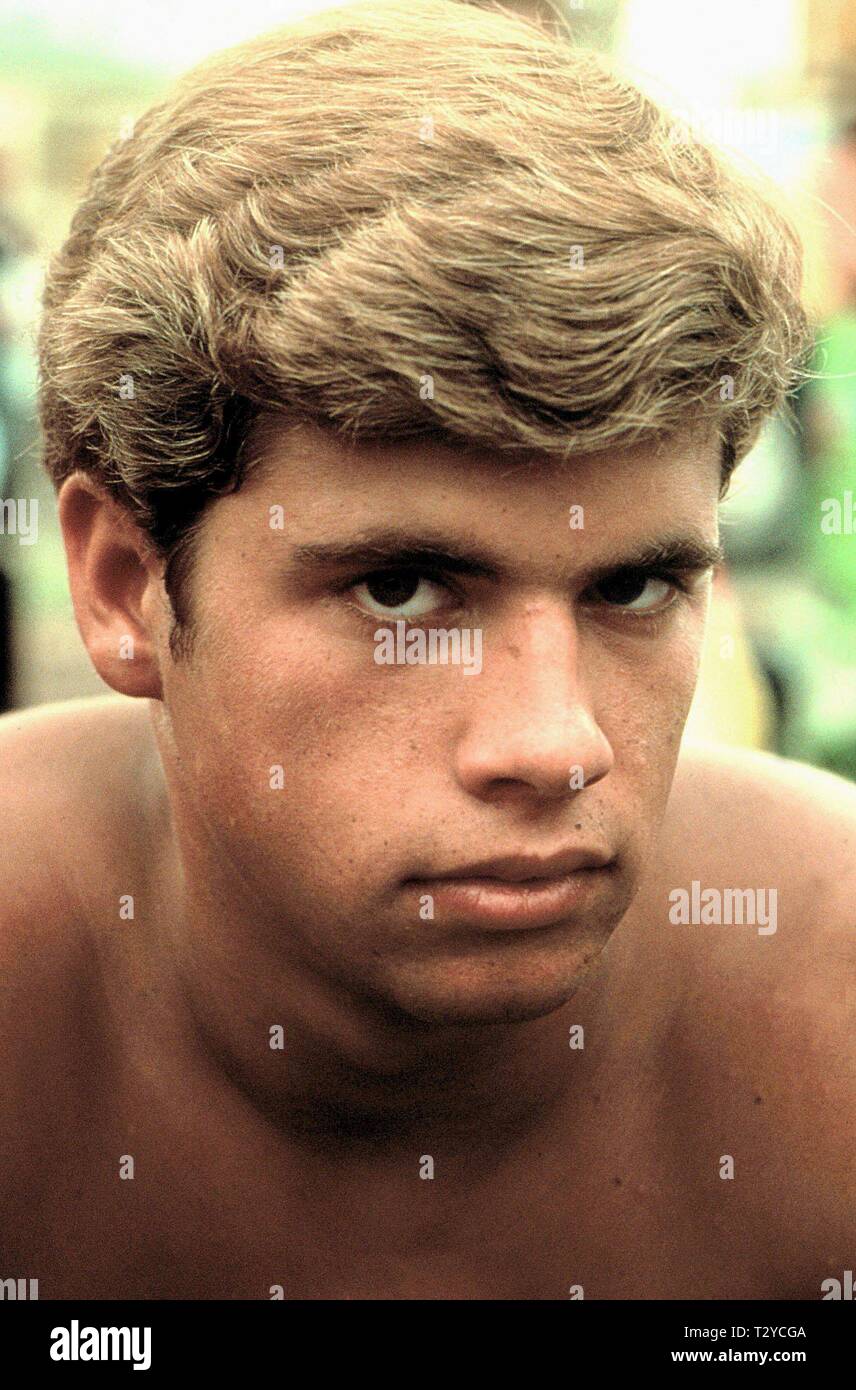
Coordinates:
[375,939]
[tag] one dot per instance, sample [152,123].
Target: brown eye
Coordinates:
[392,589]
[636,591]
[403,593]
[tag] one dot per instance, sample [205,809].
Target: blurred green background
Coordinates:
[773,82]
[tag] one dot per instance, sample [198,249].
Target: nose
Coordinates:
[531,728]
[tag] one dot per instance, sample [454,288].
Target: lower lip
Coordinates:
[493,902]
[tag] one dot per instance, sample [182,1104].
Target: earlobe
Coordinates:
[111,571]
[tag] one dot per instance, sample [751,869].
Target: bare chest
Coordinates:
[165,1208]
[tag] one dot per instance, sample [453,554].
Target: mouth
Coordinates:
[520,892]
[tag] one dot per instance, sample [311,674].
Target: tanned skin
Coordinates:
[257,905]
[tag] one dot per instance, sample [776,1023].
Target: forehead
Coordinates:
[522,506]
[304,452]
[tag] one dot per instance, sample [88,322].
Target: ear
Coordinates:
[115,580]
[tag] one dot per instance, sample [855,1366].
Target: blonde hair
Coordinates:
[400,219]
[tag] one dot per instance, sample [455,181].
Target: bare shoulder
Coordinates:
[66,779]
[62,767]
[60,744]
[759,851]
[757,890]
[793,822]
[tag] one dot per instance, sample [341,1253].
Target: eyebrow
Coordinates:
[388,547]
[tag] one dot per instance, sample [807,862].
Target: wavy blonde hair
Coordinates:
[402,219]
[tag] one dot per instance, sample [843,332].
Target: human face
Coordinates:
[396,776]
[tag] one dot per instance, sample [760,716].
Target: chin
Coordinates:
[487,1011]
[490,991]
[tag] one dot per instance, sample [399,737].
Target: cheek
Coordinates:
[294,738]
[644,706]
